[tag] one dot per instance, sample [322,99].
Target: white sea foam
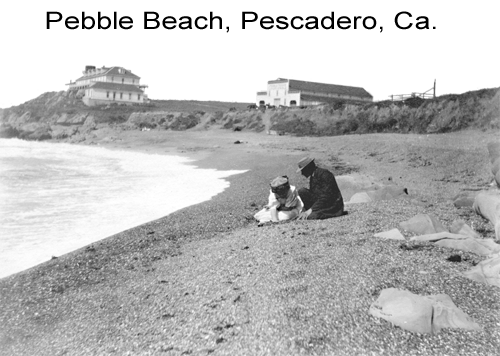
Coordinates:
[55,198]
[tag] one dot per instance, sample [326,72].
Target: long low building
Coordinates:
[290,92]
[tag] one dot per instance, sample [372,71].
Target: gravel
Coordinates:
[207,281]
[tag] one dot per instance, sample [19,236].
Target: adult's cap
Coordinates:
[304,162]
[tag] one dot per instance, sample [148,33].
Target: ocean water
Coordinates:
[55,198]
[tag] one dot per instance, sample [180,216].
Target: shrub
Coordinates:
[147,125]
[414,102]
[184,122]
[490,116]
[115,119]
[256,124]
[217,116]
[297,126]
[228,124]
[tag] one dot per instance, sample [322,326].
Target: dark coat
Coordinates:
[323,195]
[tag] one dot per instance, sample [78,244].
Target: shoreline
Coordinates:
[205,279]
[157,198]
[201,157]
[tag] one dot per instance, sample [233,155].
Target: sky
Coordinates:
[456,41]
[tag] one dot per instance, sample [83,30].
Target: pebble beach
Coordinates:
[206,280]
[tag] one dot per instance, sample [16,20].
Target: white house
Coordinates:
[105,85]
[103,93]
[290,92]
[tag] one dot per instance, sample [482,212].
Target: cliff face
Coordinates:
[62,116]
[51,115]
[31,127]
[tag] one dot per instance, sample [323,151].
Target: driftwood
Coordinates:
[487,204]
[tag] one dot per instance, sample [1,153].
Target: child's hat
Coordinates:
[279,183]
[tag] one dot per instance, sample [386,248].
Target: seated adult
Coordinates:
[323,199]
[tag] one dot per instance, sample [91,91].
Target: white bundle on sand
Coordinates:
[487,271]
[494,152]
[383,193]
[423,224]
[487,204]
[422,314]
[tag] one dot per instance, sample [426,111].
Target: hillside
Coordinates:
[61,116]
[448,113]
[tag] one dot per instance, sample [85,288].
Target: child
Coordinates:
[284,202]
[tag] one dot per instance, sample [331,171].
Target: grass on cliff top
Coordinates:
[64,102]
[447,113]
[479,109]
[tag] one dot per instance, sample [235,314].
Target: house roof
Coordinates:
[322,99]
[279,80]
[111,71]
[127,73]
[323,88]
[116,86]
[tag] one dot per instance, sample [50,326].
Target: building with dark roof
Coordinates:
[105,85]
[290,92]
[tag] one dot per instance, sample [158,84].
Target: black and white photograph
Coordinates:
[249,178]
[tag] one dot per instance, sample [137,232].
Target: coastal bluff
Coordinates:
[62,116]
